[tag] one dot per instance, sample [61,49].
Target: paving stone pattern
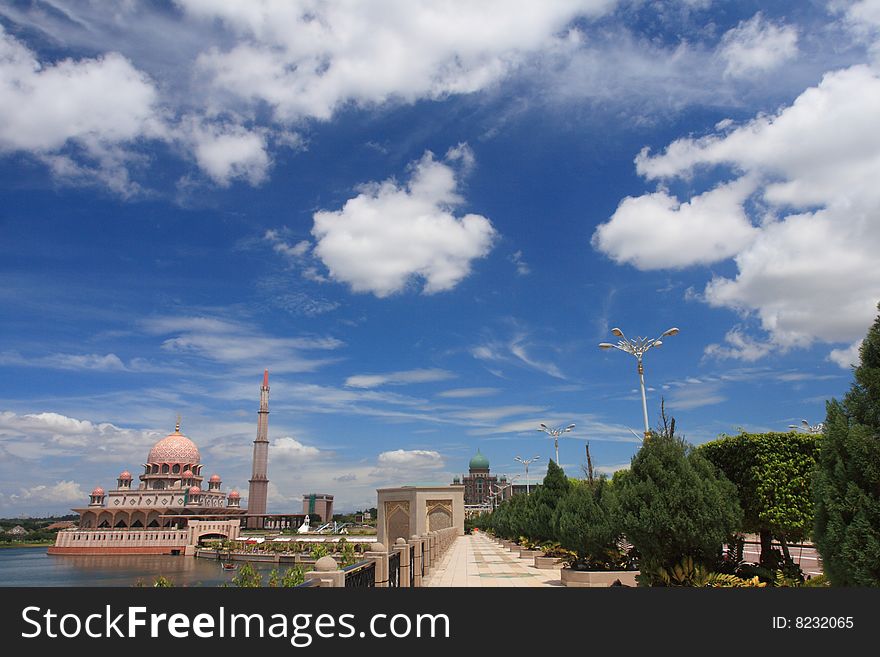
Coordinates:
[476,560]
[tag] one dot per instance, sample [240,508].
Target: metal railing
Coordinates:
[412,568]
[309,583]
[360,575]
[423,558]
[394,570]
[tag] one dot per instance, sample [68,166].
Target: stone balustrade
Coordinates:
[417,556]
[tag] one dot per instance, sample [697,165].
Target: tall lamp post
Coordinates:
[526,462]
[555,433]
[638,347]
[808,428]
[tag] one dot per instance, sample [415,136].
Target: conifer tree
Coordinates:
[543,501]
[673,504]
[847,482]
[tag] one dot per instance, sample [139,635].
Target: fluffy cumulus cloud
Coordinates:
[305,59]
[808,270]
[227,152]
[288,448]
[410,459]
[61,492]
[391,234]
[36,436]
[108,105]
[757,45]
[657,231]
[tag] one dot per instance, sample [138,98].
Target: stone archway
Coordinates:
[397,521]
[439,514]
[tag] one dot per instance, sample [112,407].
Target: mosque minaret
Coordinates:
[259,481]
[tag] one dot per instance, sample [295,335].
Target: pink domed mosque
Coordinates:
[170,511]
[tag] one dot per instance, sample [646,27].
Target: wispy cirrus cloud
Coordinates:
[403,377]
[236,343]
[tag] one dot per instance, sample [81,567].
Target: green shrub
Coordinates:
[247,577]
[541,504]
[847,482]
[585,524]
[674,504]
[318,550]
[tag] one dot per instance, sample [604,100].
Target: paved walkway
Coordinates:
[476,560]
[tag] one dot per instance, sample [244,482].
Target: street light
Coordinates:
[808,428]
[638,347]
[526,462]
[558,431]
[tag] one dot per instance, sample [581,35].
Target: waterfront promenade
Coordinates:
[476,560]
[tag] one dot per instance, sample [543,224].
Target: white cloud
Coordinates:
[398,378]
[739,347]
[465,393]
[847,357]
[410,459]
[391,234]
[235,343]
[756,46]
[522,267]
[61,492]
[226,152]
[291,448]
[810,271]
[657,231]
[35,436]
[102,106]
[97,362]
[306,60]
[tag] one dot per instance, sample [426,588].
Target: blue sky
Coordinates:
[422,218]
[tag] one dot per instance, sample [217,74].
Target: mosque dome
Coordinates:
[98,491]
[125,475]
[174,448]
[195,490]
[187,474]
[234,495]
[215,479]
[479,462]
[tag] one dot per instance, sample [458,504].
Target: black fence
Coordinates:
[361,575]
[394,570]
[423,558]
[412,567]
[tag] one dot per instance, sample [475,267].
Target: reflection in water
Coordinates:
[33,567]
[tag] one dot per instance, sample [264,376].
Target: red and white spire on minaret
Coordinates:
[259,481]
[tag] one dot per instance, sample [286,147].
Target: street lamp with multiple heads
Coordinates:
[808,428]
[526,462]
[555,433]
[638,347]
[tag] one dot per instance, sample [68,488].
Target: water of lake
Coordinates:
[33,567]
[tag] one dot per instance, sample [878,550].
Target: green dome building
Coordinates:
[478,482]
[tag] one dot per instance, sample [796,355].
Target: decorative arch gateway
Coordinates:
[397,521]
[439,513]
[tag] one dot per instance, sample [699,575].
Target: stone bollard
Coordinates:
[435,547]
[426,538]
[416,544]
[403,548]
[379,555]
[327,572]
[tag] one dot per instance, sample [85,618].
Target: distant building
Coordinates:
[479,483]
[319,504]
[63,524]
[18,530]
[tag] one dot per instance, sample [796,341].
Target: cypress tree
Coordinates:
[542,503]
[847,482]
[673,504]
